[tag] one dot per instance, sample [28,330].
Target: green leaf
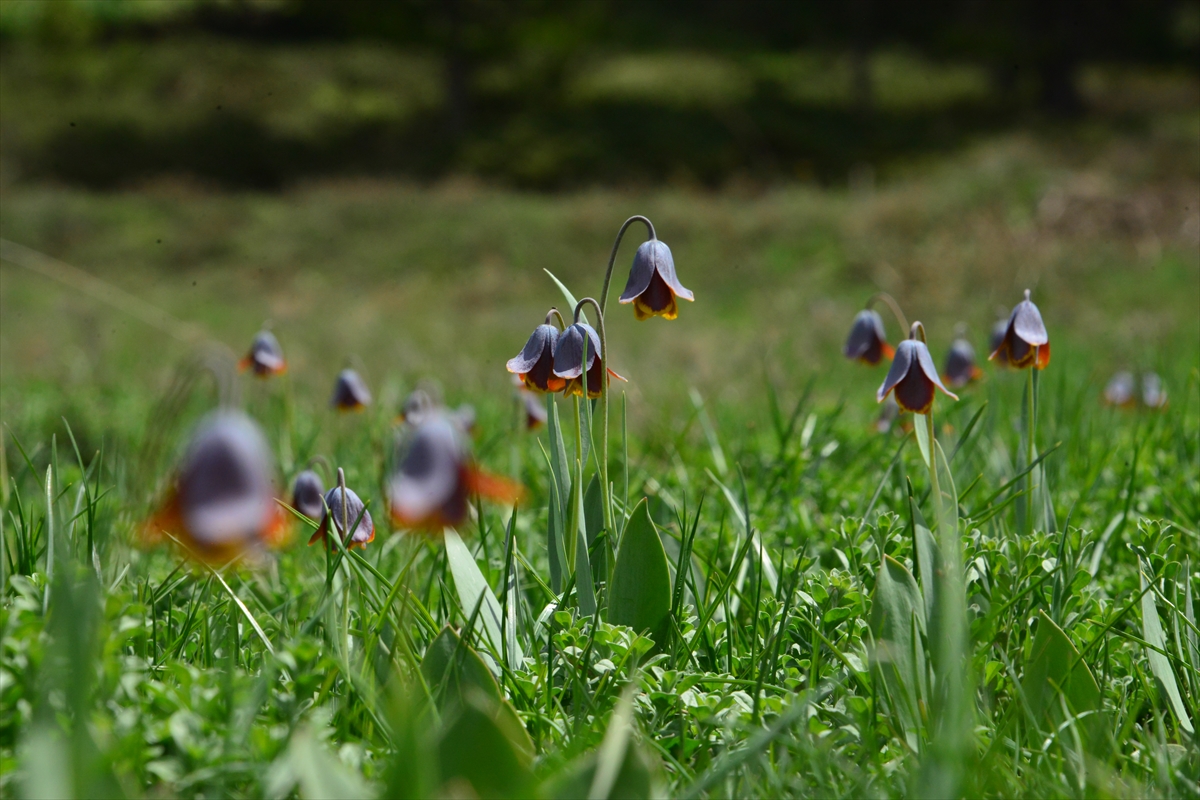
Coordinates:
[897,617]
[320,775]
[555,524]
[925,555]
[615,770]
[593,516]
[558,451]
[479,745]
[921,429]
[451,667]
[634,781]
[560,498]
[470,583]
[948,509]
[611,756]
[583,571]
[570,298]
[409,771]
[640,595]
[46,762]
[1152,631]
[1056,671]
[454,671]
[1189,612]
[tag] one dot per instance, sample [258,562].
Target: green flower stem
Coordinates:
[605,493]
[612,257]
[1030,436]
[556,315]
[571,535]
[933,476]
[917,331]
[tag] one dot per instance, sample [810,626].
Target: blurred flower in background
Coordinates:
[350,392]
[222,502]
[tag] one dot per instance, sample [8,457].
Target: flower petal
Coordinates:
[925,360]
[307,495]
[353,507]
[915,392]
[543,338]
[1026,322]
[866,341]
[642,271]
[960,366]
[568,358]
[350,391]
[1043,356]
[664,264]
[905,356]
[429,472]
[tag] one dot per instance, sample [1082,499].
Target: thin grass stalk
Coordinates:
[49,537]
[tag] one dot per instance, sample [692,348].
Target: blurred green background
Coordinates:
[385,183]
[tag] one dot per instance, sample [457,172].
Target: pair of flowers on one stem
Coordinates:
[573,359]
[913,378]
[265,359]
[563,359]
[221,502]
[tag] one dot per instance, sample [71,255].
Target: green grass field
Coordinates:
[991,652]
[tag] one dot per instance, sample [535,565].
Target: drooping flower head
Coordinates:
[995,340]
[435,477]
[351,510]
[419,403]
[913,378]
[888,414]
[534,365]
[265,357]
[350,392]
[307,491]
[222,502]
[1025,342]
[1154,394]
[570,364]
[960,368]
[652,286]
[1121,390]
[867,342]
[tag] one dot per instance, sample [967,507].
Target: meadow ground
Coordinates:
[130,672]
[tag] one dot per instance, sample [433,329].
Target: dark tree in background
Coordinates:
[526,128]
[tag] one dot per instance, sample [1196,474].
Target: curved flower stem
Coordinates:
[917,331]
[605,493]
[612,257]
[555,314]
[891,303]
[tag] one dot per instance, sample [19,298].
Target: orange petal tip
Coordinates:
[494,487]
